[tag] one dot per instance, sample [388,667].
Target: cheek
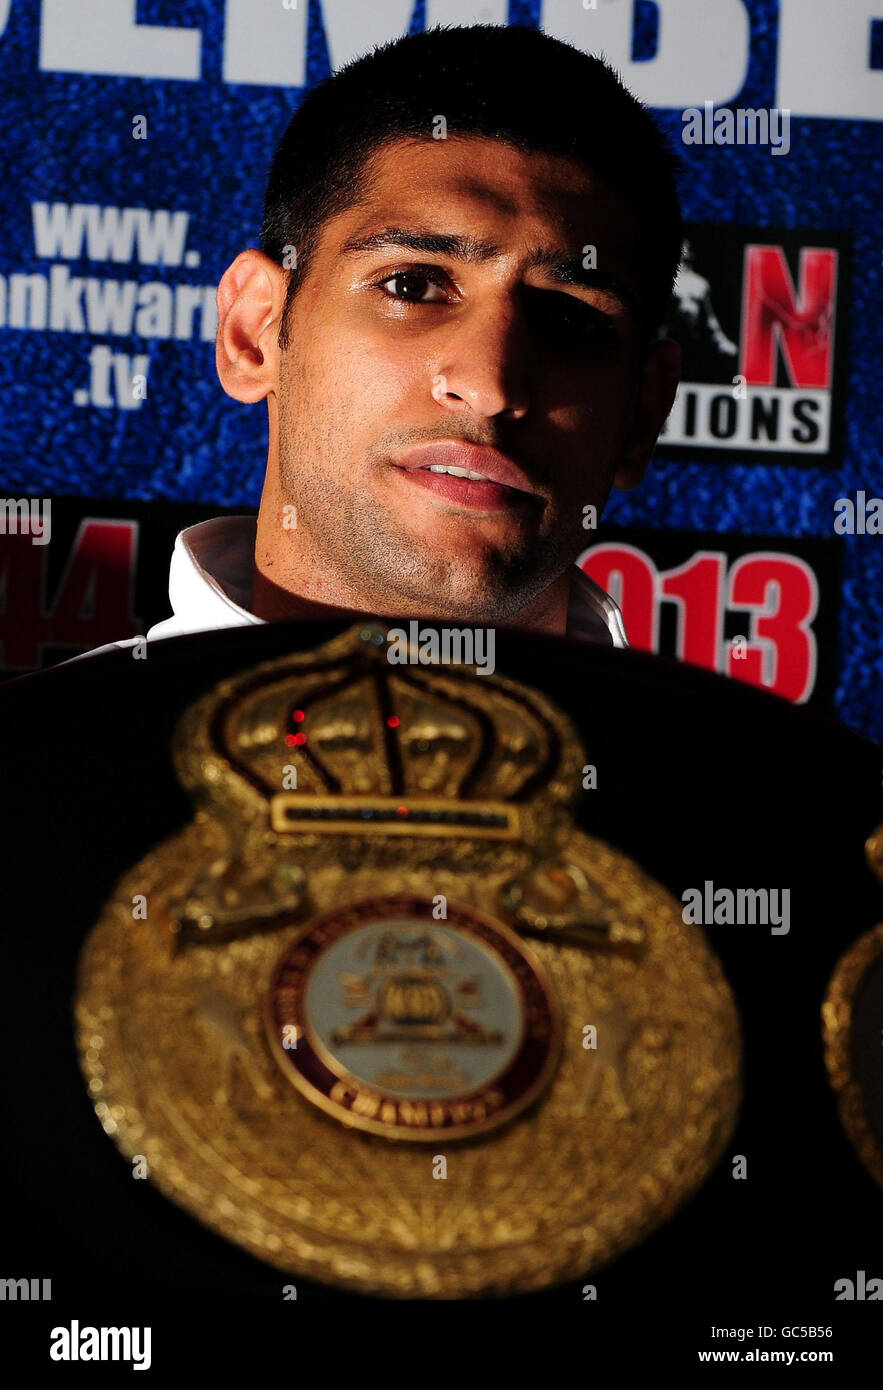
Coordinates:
[589,434]
[592,425]
[593,389]
[356,374]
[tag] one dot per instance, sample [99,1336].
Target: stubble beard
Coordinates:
[379,567]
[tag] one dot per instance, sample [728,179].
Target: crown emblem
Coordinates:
[373,745]
[341,742]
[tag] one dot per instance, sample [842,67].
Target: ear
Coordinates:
[251,297]
[660,373]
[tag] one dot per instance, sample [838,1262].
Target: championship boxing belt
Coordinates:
[381,1014]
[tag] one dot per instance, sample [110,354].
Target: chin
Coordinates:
[474,597]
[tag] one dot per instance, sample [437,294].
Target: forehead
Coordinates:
[471,183]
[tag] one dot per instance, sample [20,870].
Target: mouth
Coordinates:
[472,477]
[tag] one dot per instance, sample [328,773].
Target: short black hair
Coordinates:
[510,83]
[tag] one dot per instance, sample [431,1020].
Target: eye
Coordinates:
[410,286]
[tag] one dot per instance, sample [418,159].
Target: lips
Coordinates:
[495,482]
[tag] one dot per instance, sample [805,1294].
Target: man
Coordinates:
[469,242]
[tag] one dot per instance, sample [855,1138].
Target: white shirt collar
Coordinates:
[210,586]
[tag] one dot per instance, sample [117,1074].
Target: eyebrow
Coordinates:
[562,267]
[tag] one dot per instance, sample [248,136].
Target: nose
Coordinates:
[486,366]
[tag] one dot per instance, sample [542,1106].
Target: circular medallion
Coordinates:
[412,1027]
[182,1070]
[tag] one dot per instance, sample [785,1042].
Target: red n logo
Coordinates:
[801,323]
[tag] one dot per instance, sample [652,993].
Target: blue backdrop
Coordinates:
[68,140]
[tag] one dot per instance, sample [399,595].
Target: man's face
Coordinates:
[407,358]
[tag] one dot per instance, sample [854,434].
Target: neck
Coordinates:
[273,603]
